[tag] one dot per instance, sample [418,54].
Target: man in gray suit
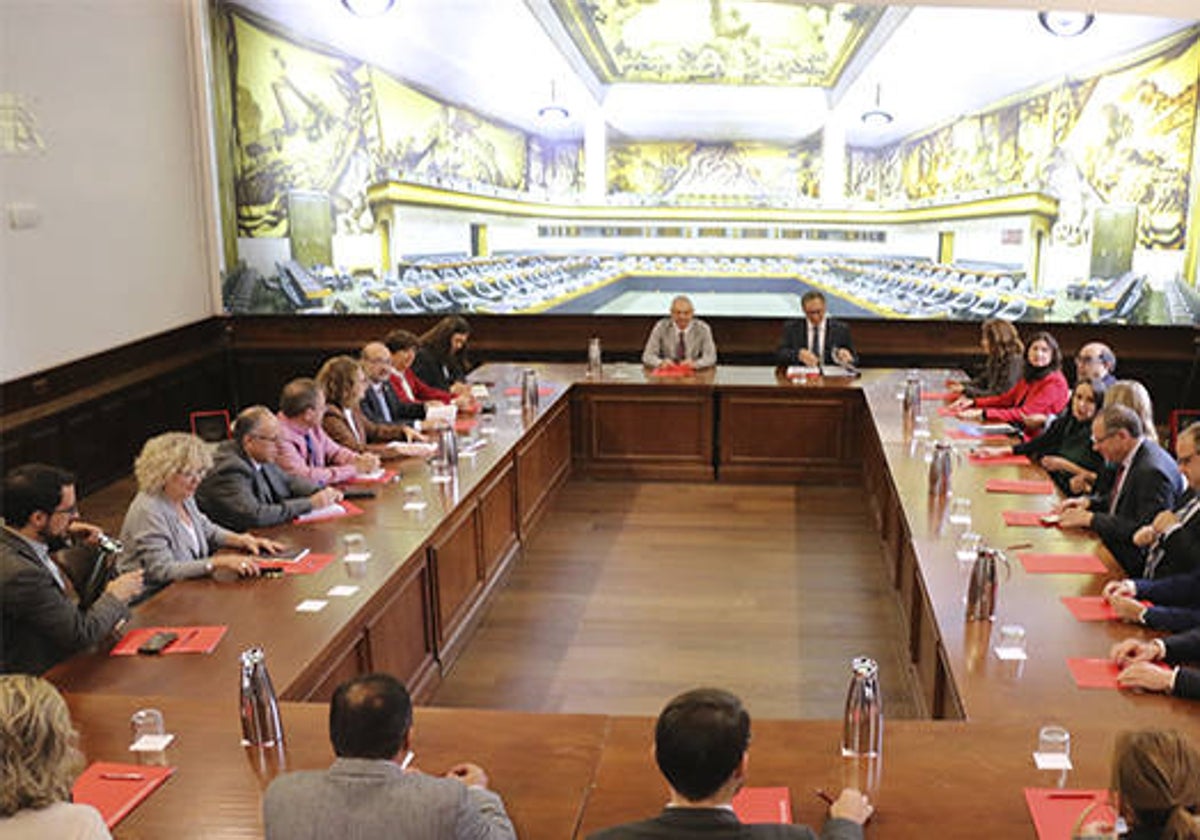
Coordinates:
[367,794]
[680,339]
[245,488]
[40,624]
[701,743]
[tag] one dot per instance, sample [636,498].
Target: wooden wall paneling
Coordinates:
[543,462]
[498,523]
[640,433]
[457,575]
[353,661]
[925,644]
[400,636]
[769,436]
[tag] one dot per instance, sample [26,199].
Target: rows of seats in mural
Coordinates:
[532,283]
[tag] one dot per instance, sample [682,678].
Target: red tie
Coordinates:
[680,349]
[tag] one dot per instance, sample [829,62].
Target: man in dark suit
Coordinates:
[1138,660]
[40,623]
[381,403]
[815,340]
[1146,482]
[701,743]
[246,489]
[369,793]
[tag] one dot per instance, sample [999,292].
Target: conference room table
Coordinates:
[433,572]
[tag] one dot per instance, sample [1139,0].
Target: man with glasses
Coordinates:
[815,340]
[246,489]
[40,623]
[1094,360]
[1146,482]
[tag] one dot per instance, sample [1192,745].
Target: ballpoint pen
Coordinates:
[823,796]
[123,777]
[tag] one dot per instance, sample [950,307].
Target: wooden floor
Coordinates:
[630,593]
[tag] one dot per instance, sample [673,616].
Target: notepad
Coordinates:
[1094,673]
[1061,564]
[1025,486]
[938,395]
[380,476]
[1026,518]
[998,460]
[196,639]
[415,449]
[763,805]
[1092,608]
[309,564]
[116,796]
[334,511]
[1055,811]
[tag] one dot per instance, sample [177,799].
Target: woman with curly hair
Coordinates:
[441,360]
[1005,359]
[345,384]
[164,531]
[38,765]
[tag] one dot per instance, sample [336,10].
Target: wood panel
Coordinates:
[498,520]
[457,578]
[543,462]
[353,661]
[400,636]
[647,433]
[776,437]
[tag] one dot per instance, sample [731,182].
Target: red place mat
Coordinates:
[349,508]
[944,396]
[998,460]
[543,390]
[763,805]
[310,564]
[1060,564]
[673,371]
[387,476]
[1092,608]
[1025,486]
[945,411]
[191,639]
[464,425]
[1055,810]
[1026,518]
[115,798]
[1094,673]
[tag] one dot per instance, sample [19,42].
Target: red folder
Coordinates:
[1094,673]
[1061,564]
[116,797]
[463,425]
[1026,517]
[673,371]
[763,805]
[350,510]
[387,476]
[1055,811]
[1026,486]
[310,564]
[543,391]
[191,639]
[945,396]
[998,460]
[1092,608]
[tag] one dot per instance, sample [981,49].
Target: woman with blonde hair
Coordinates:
[345,384]
[1004,362]
[164,531]
[1156,775]
[38,765]
[1133,394]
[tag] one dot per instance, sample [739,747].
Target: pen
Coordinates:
[823,796]
[1078,794]
[123,777]
[187,637]
[1019,546]
[408,758]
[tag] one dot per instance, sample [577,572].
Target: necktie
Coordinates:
[1157,550]
[381,401]
[1118,486]
[680,348]
[309,449]
[814,341]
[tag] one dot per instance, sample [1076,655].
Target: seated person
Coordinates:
[408,387]
[1004,362]
[368,793]
[1156,779]
[815,340]
[39,764]
[441,360]
[1133,395]
[164,532]
[1064,449]
[246,488]
[40,622]
[701,745]
[381,403]
[1093,361]
[1136,659]
[305,449]
[345,385]
[680,339]
[1042,388]
[1146,482]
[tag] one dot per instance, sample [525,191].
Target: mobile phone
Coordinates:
[271,571]
[158,642]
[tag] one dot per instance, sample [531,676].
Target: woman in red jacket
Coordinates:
[1042,388]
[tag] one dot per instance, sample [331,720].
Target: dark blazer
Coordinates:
[238,496]
[795,337]
[1175,599]
[1179,551]
[400,410]
[1185,647]
[39,624]
[999,374]
[1068,438]
[437,372]
[721,824]
[1152,485]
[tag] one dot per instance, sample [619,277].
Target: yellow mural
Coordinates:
[743,42]
[1118,138]
[311,120]
[675,170]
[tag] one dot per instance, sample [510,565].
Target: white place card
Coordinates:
[311,605]
[152,743]
[343,591]
[1052,761]
[356,557]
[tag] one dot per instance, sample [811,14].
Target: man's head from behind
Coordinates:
[369,717]
[700,741]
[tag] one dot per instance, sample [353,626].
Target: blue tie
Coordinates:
[310,450]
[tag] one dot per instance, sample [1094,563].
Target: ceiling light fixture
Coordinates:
[554,111]
[1066,24]
[877,117]
[368,8]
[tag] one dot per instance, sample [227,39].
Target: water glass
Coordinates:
[967,546]
[354,548]
[146,722]
[1054,740]
[1011,642]
[960,512]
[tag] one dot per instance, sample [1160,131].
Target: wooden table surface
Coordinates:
[557,772]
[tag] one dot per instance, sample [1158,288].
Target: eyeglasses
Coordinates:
[1102,438]
[73,510]
[266,438]
[1087,360]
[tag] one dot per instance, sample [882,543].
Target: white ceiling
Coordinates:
[497,57]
